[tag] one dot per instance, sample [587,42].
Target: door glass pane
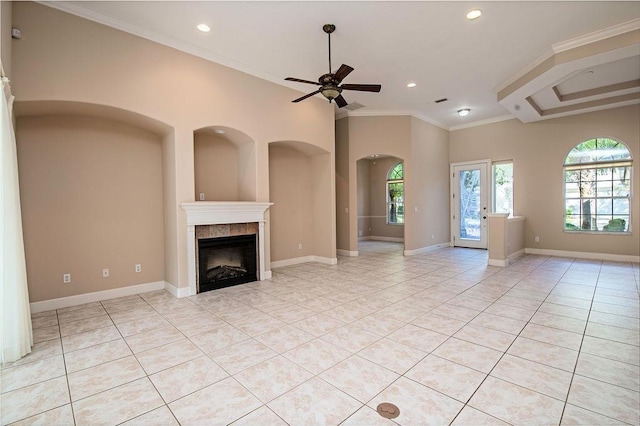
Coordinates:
[470,204]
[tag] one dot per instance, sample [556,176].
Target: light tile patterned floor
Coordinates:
[443,336]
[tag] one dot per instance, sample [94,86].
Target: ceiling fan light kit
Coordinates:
[329,83]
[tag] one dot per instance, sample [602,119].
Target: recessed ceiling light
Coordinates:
[204,28]
[219,131]
[464,112]
[474,14]
[411,85]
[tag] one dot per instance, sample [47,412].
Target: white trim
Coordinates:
[178,292]
[376,238]
[267,275]
[426,249]
[222,212]
[596,36]
[585,255]
[482,122]
[515,256]
[503,263]
[397,112]
[97,296]
[304,259]
[349,253]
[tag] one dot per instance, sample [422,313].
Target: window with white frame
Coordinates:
[597,187]
[502,178]
[395,195]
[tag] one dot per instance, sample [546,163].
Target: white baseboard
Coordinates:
[349,253]
[502,263]
[267,275]
[376,238]
[425,249]
[515,256]
[97,296]
[178,292]
[585,255]
[304,259]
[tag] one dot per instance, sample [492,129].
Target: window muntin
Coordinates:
[597,187]
[395,195]
[502,177]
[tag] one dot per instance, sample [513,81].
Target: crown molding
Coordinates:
[390,113]
[482,122]
[595,36]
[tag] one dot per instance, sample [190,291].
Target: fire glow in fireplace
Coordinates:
[226,261]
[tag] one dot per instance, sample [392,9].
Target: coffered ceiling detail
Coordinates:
[598,71]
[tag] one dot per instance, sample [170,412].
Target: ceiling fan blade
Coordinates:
[302,81]
[362,87]
[306,96]
[340,101]
[342,72]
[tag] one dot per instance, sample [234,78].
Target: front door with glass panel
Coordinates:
[469,204]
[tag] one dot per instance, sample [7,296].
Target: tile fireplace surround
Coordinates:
[222,213]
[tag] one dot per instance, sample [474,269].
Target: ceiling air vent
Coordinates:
[354,106]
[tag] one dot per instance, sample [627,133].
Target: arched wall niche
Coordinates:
[225,166]
[92,196]
[302,217]
[372,171]
[85,109]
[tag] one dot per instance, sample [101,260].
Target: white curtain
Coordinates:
[16,338]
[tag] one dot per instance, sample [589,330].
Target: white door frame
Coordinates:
[485,193]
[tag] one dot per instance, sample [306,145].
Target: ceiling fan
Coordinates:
[330,83]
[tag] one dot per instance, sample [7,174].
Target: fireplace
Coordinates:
[221,219]
[226,261]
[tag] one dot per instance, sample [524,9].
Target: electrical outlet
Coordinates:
[105,273]
[66,278]
[537,239]
[202,196]
[300,246]
[138,267]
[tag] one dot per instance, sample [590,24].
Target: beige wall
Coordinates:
[65,58]
[216,168]
[538,151]
[91,195]
[427,186]
[364,198]
[424,149]
[378,171]
[5,39]
[343,224]
[290,181]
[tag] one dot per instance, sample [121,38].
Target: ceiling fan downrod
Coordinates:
[329,28]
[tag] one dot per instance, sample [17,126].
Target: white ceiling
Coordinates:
[390,43]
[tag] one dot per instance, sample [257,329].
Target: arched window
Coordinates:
[597,187]
[395,195]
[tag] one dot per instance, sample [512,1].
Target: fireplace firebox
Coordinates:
[226,261]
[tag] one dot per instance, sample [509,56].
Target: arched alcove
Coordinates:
[300,188]
[224,165]
[374,202]
[92,196]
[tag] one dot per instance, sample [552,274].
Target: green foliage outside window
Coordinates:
[597,186]
[395,195]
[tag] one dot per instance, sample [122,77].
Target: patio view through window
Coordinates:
[395,195]
[503,187]
[597,187]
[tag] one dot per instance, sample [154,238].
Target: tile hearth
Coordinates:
[443,336]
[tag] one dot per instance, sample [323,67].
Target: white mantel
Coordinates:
[220,213]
